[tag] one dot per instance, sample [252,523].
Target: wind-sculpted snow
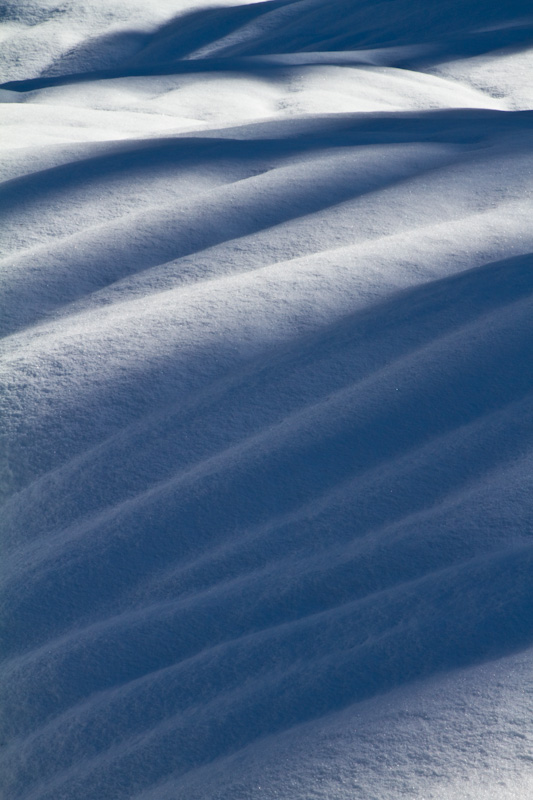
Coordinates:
[267,401]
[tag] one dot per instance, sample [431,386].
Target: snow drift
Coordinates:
[267,400]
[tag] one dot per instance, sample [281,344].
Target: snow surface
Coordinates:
[267,400]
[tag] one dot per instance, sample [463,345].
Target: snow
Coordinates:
[267,402]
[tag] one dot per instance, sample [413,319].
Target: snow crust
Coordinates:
[267,400]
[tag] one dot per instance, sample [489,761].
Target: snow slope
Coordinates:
[267,400]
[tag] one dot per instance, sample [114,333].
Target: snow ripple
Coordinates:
[268,402]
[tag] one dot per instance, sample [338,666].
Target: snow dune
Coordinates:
[267,400]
